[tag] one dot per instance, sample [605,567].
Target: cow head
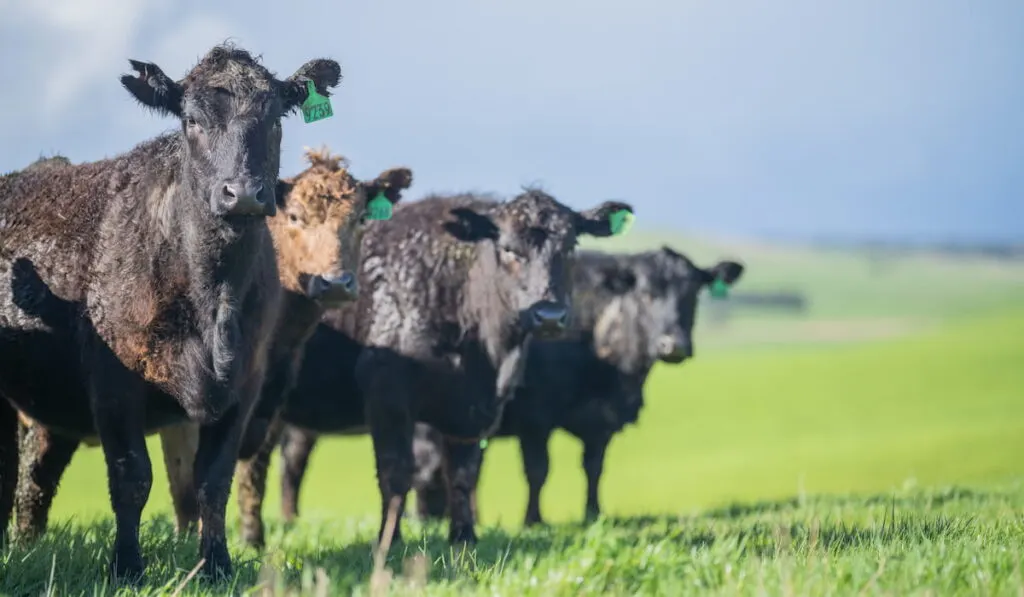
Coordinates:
[319,224]
[655,303]
[230,108]
[527,244]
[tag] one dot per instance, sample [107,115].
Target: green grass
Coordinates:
[945,541]
[890,466]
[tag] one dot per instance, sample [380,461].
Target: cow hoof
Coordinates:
[127,569]
[217,566]
[533,521]
[25,534]
[254,538]
[462,536]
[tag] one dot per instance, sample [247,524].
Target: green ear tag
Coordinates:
[719,289]
[379,208]
[620,221]
[483,444]
[316,107]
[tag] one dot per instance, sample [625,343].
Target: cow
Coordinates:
[316,233]
[141,290]
[322,206]
[630,311]
[453,290]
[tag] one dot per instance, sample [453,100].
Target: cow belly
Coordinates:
[599,415]
[39,374]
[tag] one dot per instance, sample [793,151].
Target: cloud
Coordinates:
[77,44]
[82,38]
[179,49]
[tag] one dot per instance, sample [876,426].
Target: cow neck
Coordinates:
[629,351]
[489,315]
[220,256]
[299,318]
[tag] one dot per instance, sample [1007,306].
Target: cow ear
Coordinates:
[670,252]
[599,220]
[471,226]
[391,183]
[726,271]
[153,89]
[281,192]
[618,280]
[323,72]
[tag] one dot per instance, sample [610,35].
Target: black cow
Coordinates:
[629,312]
[453,289]
[140,291]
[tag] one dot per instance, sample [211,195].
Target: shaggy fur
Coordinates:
[132,297]
[630,312]
[438,334]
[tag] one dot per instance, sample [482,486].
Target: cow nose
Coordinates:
[333,289]
[548,317]
[242,198]
[672,349]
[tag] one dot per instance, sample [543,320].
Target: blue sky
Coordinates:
[899,119]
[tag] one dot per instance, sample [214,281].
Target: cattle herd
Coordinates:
[184,288]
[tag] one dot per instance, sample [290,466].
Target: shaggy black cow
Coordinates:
[452,291]
[140,291]
[629,312]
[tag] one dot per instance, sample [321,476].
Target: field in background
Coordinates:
[902,375]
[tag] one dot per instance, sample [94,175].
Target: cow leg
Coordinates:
[44,458]
[463,469]
[392,447]
[593,464]
[296,446]
[118,402]
[534,448]
[252,486]
[180,444]
[389,404]
[8,464]
[432,496]
[431,482]
[391,430]
[214,469]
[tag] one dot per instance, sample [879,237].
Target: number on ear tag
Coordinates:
[620,221]
[379,208]
[316,107]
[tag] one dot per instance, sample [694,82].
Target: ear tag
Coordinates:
[620,221]
[316,107]
[379,208]
[483,444]
[719,289]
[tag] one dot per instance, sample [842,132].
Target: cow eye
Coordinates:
[293,218]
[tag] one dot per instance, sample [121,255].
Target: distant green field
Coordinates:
[940,402]
[846,283]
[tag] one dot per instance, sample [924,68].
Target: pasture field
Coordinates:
[777,462]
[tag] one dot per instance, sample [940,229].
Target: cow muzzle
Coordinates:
[547,319]
[243,197]
[671,349]
[333,290]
